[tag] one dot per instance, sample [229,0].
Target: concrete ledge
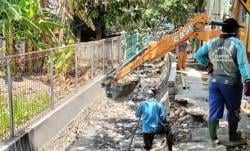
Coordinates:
[172,82]
[47,127]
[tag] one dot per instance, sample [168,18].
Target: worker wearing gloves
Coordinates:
[153,115]
[226,60]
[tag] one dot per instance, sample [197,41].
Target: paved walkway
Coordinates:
[196,94]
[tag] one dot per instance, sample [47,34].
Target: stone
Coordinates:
[233,144]
[183,102]
[185,125]
[184,118]
[171,84]
[138,145]
[200,135]
[193,146]
[171,91]
[81,148]
[183,113]
[219,148]
[196,112]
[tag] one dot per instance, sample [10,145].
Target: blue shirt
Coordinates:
[153,114]
[229,60]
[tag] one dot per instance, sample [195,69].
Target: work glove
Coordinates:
[210,68]
[246,89]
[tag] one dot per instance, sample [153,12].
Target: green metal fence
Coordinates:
[135,42]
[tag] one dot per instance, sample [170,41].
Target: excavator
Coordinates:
[200,27]
[246,4]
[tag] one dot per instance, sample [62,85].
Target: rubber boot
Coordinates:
[234,135]
[212,127]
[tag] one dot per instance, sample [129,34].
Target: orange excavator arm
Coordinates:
[246,4]
[194,29]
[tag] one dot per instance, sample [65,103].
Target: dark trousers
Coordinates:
[148,140]
[228,95]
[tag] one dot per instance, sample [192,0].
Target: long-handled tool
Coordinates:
[133,134]
[169,135]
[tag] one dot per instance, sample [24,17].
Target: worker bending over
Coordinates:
[153,115]
[226,60]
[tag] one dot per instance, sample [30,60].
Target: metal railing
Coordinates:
[32,84]
[135,42]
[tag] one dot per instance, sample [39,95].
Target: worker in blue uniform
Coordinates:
[226,60]
[153,115]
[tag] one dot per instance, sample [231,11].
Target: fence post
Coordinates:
[112,57]
[103,57]
[136,41]
[76,61]
[52,79]
[118,50]
[10,98]
[92,61]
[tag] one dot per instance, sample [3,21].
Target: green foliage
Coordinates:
[64,60]
[41,28]
[24,109]
[4,118]
[139,14]
[27,107]
[24,20]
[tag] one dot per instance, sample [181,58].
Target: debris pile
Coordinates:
[151,77]
[183,123]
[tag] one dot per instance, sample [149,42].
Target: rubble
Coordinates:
[182,123]
[182,102]
[111,124]
[151,77]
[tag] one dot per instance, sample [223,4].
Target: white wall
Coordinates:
[215,9]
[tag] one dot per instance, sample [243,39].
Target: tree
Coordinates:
[24,21]
[8,15]
[131,15]
[101,14]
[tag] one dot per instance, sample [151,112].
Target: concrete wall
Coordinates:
[44,129]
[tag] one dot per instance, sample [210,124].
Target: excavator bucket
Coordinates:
[119,90]
[114,89]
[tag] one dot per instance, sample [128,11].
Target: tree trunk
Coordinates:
[98,32]
[99,23]
[99,27]
[236,10]
[62,12]
[9,39]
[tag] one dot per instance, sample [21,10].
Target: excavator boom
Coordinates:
[195,28]
[246,4]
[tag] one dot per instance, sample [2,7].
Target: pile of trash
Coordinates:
[183,123]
